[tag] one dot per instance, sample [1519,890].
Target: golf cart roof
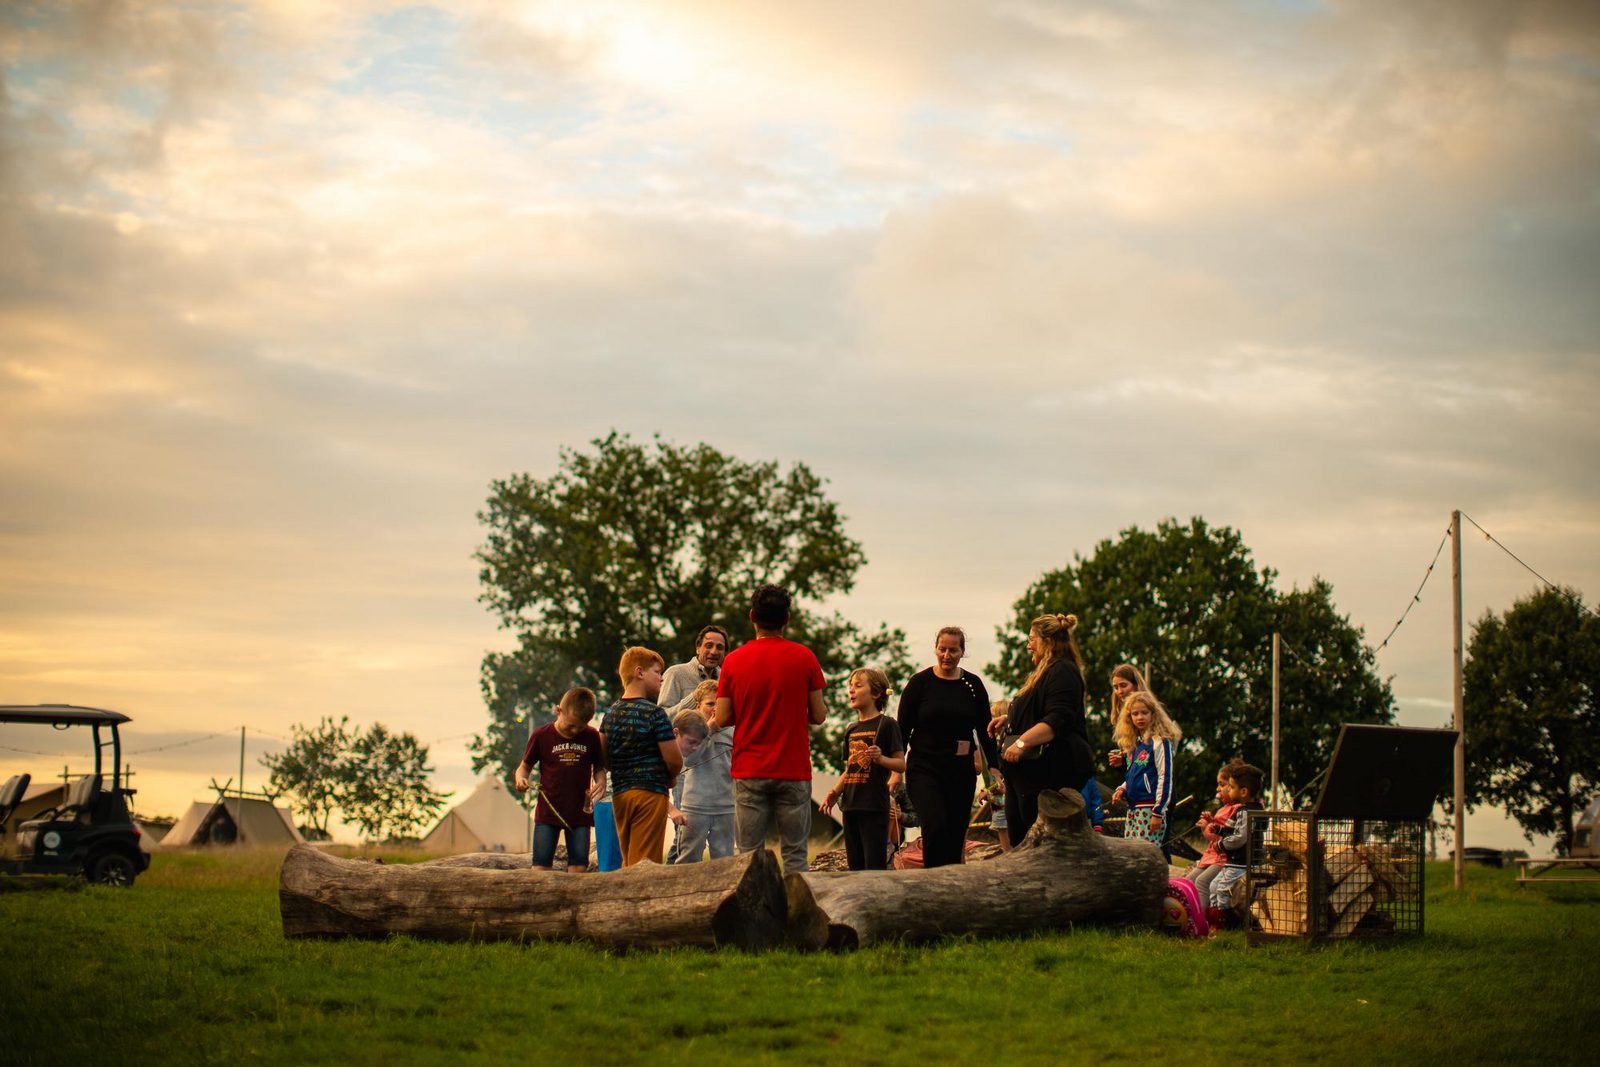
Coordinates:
[65,714]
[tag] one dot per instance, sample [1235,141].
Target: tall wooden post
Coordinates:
[239,822]
[1277,691]
[1460,697]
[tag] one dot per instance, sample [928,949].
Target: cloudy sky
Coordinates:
[286,284]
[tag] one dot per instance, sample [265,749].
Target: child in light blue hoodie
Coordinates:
[702,799]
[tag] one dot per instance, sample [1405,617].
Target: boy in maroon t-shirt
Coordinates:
[771,691]
[571,758]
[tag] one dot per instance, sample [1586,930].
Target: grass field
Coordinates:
[190,966]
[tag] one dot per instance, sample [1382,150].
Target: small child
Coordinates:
[1094,808]
[570,757]
[1145,738]
[703,796]
[1242,791]
[999,709]
[644,757]
[872,749]
[1211,862]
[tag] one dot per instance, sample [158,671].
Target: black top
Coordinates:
[936,713]
[865,786]
[1056,699]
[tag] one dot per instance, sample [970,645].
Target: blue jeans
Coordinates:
[1222,887]
[704,831]
[761,802]
[607,849]
[544,845]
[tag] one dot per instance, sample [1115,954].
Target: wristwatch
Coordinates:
[1020,743]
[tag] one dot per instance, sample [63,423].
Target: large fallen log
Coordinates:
[735,901]
[1061,874]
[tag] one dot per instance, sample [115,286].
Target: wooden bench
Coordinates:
[1538,870]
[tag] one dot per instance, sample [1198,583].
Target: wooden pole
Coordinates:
[239,822]
[1460,698]
[1277,691]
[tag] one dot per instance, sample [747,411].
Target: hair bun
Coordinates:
[1070,621]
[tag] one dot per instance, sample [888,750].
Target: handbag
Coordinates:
[1008,738]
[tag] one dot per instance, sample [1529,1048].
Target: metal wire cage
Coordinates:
[1351,867]
[1317,879]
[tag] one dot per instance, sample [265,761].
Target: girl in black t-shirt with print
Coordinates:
[872,749]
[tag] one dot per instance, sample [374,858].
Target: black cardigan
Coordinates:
[1057,698]
[935,713]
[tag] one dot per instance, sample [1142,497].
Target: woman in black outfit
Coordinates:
[1047,714]
[943,714]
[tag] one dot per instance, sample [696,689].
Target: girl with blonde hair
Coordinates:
[1146,736]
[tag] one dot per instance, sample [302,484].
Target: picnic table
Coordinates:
[1566,868]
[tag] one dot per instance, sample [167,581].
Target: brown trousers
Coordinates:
[641,825]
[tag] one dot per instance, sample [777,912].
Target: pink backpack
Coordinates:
[1183,912]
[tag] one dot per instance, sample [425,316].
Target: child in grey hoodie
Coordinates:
[702,799]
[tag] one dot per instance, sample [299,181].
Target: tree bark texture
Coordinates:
[1060,874]
[735,901]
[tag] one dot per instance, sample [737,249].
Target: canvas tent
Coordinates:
[1586,834]
[232,820]
[490,820]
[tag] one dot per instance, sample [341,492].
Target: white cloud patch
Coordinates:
[287,284]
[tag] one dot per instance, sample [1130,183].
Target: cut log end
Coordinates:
[755,914]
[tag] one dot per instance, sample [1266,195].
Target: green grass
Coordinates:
[190,966]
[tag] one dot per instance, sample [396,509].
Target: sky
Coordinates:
[286,285]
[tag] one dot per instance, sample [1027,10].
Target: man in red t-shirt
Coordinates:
[770,691]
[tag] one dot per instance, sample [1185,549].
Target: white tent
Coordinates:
[822,783]
[490,820]
[247,821]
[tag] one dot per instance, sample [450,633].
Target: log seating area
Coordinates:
[1061,874]
[1333,878]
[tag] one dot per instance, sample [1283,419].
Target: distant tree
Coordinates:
[385,785]
[1532,722]
[635,543]
[312,770]
[1188,600]
[851,648]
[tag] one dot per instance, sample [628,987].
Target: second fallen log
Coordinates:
[1062,873]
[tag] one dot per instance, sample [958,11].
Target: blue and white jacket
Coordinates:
[1149,776]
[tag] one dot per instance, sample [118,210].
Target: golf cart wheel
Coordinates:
[113,869]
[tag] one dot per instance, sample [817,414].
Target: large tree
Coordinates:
[386,791]
[1186,599]
[313,771]
[1532,723]
[634,543]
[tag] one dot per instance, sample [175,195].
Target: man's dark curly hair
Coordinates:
[769,607]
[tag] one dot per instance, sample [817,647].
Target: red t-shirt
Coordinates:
[770,681]
[565,766]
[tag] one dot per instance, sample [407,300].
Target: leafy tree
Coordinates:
[1532,723]
[385,787]
[1188,600]
[312,770]
[634,543]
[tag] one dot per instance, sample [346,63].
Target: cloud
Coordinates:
[287,284]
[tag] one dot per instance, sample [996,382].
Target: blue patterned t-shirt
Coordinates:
[634,730]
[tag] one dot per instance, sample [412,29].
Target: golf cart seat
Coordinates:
[11,795]
[80,798]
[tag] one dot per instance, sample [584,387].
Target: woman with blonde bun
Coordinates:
[1046,714]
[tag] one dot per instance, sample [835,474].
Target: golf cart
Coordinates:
[90,831]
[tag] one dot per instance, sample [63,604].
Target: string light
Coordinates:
[1416,597]
[1548,583]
